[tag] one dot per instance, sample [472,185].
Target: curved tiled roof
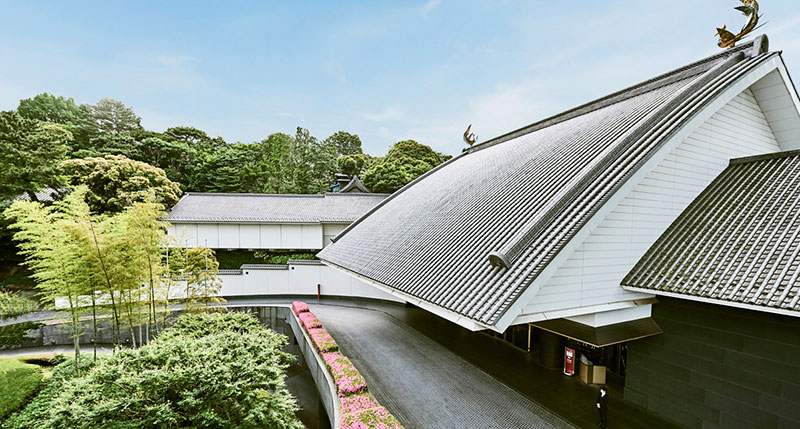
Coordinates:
[472,234]
[737,242]
[272,208]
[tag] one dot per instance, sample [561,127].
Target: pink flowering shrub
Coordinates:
[322,340]
[299,307]
[309,321]
[355,403]
[369,418]
[344,373]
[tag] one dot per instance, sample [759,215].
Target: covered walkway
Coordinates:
[432,373]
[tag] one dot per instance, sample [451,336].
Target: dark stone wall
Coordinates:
[718,367]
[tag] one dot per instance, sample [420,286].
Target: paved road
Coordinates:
[423,384]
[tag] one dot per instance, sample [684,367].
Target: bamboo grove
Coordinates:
[121,267]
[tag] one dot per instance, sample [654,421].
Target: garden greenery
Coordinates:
[209,370]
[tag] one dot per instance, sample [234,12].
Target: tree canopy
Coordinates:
[112,116]
[75,118]
[116,182]
[404,162]
[30,152]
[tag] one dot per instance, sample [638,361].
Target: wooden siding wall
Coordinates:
[718,367]
[592,274]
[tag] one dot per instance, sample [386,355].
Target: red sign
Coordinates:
[569,361]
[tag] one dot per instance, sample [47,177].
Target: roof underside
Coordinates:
[738,242]
[269,208]
[602,336]
[522,195]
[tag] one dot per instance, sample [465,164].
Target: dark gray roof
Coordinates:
[472,234]
[739,240]
[46,194]
[354,185]
[602,336]
[271,208]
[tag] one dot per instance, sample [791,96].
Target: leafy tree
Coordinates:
[114,117]
[29,153]
[177,158]
[354,164]
[312,165]
[345,143]
[405,161]
[110,144]
[116,182]
[202,279]
[12,305]
[49,252]
[194,136]
[75,118]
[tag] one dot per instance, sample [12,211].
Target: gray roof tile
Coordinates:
[522,196]
[737,242]
[272,208]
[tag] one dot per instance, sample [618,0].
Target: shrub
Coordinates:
[370,418]
[18,382]
[322,340]
[37,412]
[12,305]
[357,402]
[347,378]
[299,307]
[190,376]
[309,321]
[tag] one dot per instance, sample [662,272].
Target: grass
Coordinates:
[19,381]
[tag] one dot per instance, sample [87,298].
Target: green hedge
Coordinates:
[18,382]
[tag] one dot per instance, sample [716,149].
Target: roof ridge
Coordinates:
[245,194]
[764,157]
[686,71]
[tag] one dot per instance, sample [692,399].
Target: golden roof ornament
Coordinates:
[470,138]
[750,10]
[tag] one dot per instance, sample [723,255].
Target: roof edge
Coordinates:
[716,301]
[612,98]
[764,157]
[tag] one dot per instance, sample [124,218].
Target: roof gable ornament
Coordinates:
[750,10]
[470,138]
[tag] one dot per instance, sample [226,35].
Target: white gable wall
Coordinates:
[593,272]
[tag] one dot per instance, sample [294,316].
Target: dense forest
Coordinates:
[50,144]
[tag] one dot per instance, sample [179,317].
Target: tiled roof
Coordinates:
[738,242]
[271,208]
[354,185]
[472,234]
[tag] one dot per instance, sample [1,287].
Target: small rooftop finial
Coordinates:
[750,10]
[470,138]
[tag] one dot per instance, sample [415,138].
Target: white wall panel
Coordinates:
[291,237]
[593,272]
[270,236]
[311,237]
[208,235]
[229,236]
[250,236]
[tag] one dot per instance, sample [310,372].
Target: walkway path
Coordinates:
[422,383]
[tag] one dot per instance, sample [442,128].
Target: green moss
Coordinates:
[18,382]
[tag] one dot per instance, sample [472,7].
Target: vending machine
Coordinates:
[569,361]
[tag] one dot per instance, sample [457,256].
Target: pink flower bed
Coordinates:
[344,373]
[309,321]
[369,418]
[299,307]
[322,340]
[357,402]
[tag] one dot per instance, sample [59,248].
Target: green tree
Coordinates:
[116,182]
[345,143]
[312,166]
[404,162]
[354,164]
[75,118]
[29,154]
[114,117]
[49,251]
[202,279]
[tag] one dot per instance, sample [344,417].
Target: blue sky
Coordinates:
[386,71]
